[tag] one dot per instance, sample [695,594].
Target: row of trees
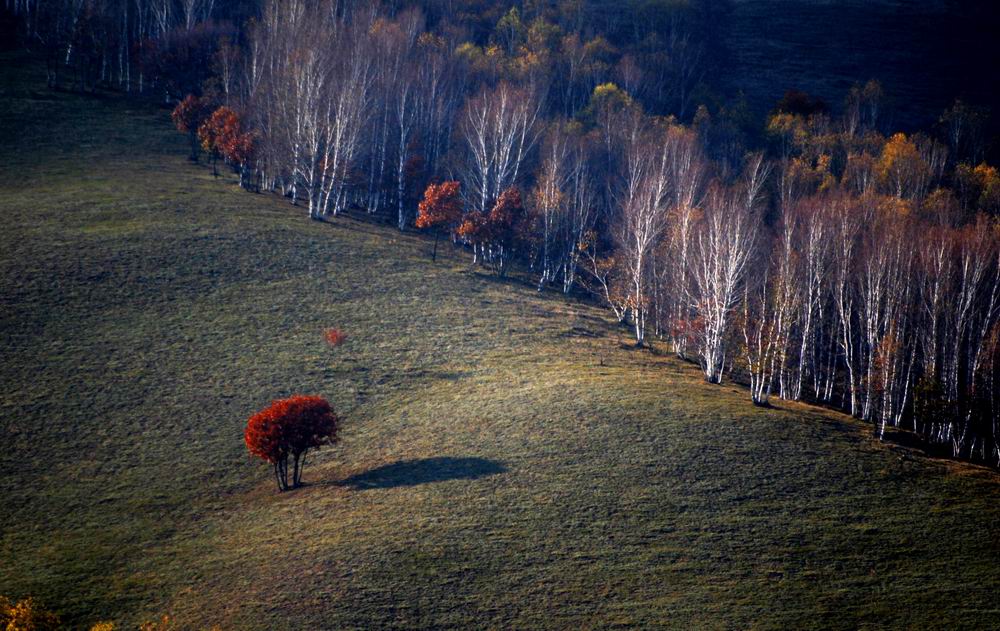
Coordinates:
[840,306]
[361,104]
[791,267]
[802,281]
[170,46]
[843,270]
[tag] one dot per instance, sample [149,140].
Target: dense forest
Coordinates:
[816,253]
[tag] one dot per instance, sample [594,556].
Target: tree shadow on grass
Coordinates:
[423,471]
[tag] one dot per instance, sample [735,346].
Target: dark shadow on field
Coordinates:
[423,471]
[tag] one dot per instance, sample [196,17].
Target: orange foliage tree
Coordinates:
[287,429]
[208,135]
[901,167]
[497,234]
[440,210]
[188,117]
[223,135]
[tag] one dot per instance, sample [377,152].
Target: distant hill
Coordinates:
[925,53]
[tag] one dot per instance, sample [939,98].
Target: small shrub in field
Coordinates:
[26,615]
[287,429]
[334,337]
[103,626]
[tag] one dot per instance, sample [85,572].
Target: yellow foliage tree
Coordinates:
[901,168]
[989,181]
[26,615]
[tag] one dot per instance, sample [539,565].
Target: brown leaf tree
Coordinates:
[440,210]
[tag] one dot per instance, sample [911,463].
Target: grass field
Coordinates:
[507,460]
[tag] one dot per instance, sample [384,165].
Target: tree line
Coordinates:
[816,257]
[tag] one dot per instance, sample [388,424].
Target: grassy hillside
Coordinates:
[507,460]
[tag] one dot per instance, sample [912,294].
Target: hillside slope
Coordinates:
[507,460]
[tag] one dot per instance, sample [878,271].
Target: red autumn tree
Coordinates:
[208,135]
[508,219]
[287,429]
[223,134]
[188,117]
[440,210]
[496,235]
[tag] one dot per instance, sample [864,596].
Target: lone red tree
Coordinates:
[287,429]
[440,210]
[188,116]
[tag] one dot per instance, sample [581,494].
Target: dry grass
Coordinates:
[506,461]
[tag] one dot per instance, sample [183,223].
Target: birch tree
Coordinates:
[642,207]
[500,128]
[725,243]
